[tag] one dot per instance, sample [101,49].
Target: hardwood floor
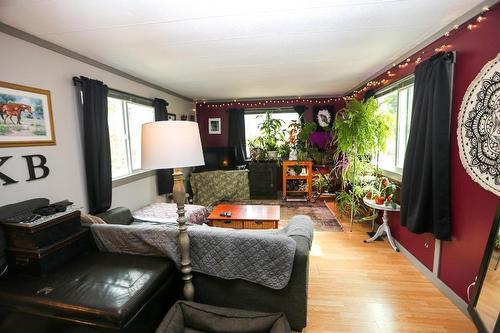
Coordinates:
[358,287]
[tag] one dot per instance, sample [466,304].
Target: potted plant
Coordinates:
[386,193]
[297,169]
[284,150]
[256,153]
[271,134]
[320,182]
[360,131]
[351,201]
[303,145]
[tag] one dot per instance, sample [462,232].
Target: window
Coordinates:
[397,101]
[125,119]
[254,117]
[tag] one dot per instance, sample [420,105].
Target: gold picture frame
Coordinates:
[25,116]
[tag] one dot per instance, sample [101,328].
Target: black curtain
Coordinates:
[301,110]
[368,94]
[425,193]
[164,180]
[96,148]
[236,136]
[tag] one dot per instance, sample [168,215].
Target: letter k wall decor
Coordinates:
[36,165]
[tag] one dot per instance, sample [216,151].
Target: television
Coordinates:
[219,158]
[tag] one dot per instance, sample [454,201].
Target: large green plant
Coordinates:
[271,138]
[361,131]
[271,132]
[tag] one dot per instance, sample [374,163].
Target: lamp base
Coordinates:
[179,193]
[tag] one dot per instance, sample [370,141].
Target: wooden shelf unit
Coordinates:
[308,177]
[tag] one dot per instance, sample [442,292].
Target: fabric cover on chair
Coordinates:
[190,317]
[212,186]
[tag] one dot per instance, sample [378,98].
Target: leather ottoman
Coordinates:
[96,292]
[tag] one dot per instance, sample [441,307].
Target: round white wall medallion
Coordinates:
[479,128]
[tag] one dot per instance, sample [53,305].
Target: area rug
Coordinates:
[322,217]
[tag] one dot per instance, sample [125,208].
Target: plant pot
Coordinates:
[272,154]
[379,200]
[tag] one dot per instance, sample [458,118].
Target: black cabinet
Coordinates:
[262,177]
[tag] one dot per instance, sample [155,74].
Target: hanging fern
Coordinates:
[360,130]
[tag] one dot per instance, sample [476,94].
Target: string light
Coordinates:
[298,100]
[443,48]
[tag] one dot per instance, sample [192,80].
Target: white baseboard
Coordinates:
[447,291]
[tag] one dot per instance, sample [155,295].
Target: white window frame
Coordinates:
[262,112]
[397,172]
[133,174]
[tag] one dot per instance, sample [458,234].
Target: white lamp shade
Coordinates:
[171,144]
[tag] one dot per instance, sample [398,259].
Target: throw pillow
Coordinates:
[91,219]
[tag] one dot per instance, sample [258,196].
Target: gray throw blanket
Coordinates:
[261,256]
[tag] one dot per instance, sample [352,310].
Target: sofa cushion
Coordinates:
[100,289]
[192,317]
[118,215]
[88,219]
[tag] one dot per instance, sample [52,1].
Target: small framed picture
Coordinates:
[184,117]
[171,116]
[191,117]
[214,126]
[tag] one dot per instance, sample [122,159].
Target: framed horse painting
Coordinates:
[25,116]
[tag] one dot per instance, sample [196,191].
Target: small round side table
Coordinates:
[384,227]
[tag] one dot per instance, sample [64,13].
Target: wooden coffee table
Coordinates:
[246,216]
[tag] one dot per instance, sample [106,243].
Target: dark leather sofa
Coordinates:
[95,292]
[241,294]
[103,292]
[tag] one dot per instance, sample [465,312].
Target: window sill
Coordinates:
[132,177]
[393,175]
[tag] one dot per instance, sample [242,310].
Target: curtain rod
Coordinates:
[78,81]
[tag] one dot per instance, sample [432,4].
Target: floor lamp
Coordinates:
[175,145]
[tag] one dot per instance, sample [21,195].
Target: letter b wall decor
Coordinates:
[36,164]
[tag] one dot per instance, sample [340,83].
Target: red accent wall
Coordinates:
[203,113]
[472,207]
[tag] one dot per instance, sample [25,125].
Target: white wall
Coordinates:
[27,64]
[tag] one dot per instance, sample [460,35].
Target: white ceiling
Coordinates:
[225,49]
